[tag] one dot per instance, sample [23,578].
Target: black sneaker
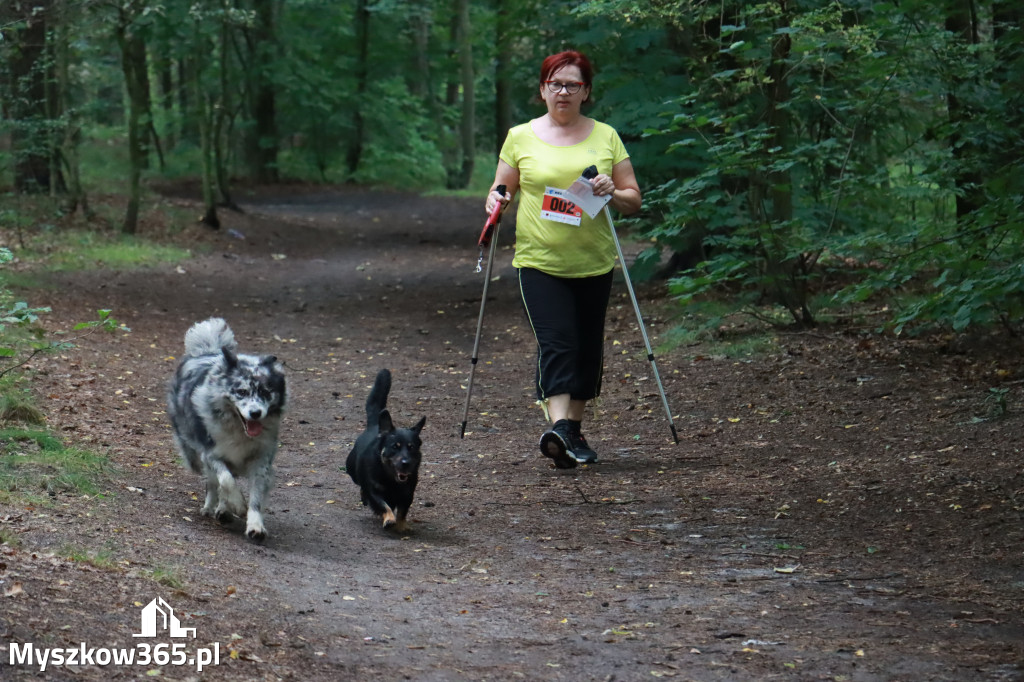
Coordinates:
[555,445]
[581,452]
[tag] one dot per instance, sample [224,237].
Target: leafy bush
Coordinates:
[833,154]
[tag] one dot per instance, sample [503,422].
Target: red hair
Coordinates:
[568,58]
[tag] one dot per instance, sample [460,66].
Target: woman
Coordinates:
[565,259]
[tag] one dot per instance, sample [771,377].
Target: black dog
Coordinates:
[385,460]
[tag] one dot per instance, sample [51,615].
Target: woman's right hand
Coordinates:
[493,197]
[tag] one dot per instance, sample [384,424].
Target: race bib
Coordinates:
[560,209]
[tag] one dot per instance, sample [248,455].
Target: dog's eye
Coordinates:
[242,392]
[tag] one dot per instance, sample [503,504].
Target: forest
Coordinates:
[809,159]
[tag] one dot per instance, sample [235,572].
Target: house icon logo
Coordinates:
[158,615]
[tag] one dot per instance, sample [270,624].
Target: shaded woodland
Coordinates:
[812,158]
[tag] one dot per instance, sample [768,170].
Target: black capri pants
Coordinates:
[567,315]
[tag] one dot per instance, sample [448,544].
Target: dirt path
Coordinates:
[839,510]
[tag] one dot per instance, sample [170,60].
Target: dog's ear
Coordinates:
[419,425]
[268,360]
[229,357]
[384,423]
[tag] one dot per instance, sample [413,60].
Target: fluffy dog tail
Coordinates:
[378,398]
[209,337]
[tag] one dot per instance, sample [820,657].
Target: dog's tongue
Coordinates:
[253,428]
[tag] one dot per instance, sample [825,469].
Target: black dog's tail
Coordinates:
[378,397]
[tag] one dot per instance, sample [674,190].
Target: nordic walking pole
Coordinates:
[591,172]
[488,238]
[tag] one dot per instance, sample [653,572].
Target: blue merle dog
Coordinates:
[225,410]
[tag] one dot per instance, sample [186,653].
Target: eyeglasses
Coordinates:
[572,87]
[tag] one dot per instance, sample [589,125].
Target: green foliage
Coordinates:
[18,319]
[22,337]
[400,151]
[813,164]
[996,403]
[948,270]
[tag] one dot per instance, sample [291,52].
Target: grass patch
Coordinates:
[713,328]
[101,558]
[168,576]
[20,281]
[87,250]
[42,236]
[16,404]
[9,538]
[745,345]
[35,464]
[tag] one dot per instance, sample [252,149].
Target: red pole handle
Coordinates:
[492,220]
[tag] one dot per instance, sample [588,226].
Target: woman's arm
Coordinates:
[623,187]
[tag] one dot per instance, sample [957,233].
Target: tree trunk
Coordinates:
[264,145]
[141,94]
[961,21]
[165,70]
[133,65]
[502,76]
[200,113]
[205,119]
[789,275]
[467,126]
[72,124]
[189,126]
[355,147]
[220,112]
[780,182]
[33,151]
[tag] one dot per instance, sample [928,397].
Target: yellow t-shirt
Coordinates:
[557,248]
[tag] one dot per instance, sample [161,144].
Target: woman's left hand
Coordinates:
[602,185]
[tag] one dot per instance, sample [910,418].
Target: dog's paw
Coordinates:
[254,528]
[256,533]
[234,503]
[222,515]
[207,510]
[388,517]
